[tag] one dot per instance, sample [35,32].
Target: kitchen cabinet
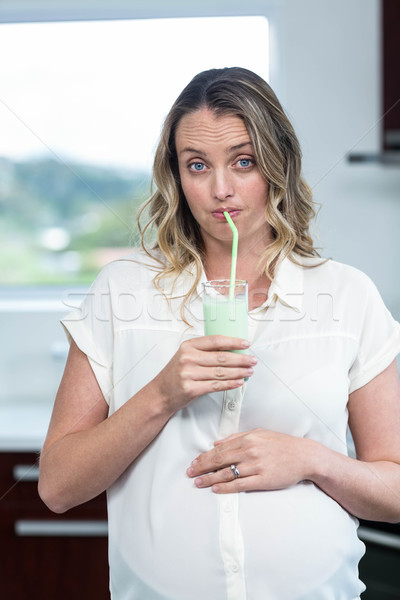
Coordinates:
[379,568]
[45,556]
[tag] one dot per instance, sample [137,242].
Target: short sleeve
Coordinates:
[91,328]
[379,337]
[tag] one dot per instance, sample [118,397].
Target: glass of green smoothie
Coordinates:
[225,308]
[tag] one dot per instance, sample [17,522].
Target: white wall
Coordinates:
[331,89]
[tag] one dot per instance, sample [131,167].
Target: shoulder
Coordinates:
[347,289]
[134,270]
[343,299]
[334,275]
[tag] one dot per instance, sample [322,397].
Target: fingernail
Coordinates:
[198,482]
[253,360]
[245,344]
[250,371]
[190,471]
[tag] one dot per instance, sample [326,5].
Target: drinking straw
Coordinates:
[234,254]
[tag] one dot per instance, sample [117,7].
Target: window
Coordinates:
[81,108]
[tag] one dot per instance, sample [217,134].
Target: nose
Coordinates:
[222,185]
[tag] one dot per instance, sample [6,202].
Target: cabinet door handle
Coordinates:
[42,528]
[26,473]
[389,540]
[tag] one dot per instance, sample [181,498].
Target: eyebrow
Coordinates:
[238,146]
[227,151]
[193,151]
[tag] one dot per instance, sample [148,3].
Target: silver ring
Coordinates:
[235,471]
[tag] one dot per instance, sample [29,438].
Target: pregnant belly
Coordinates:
[167,541]
[298,543]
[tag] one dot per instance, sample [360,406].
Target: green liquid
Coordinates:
[225,317]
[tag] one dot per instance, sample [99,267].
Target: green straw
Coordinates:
[234,255]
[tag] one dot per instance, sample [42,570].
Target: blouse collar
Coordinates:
[287,286]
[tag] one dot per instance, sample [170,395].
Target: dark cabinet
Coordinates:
[44,556]
[379,567]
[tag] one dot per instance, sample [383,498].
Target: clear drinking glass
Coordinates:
[224,315]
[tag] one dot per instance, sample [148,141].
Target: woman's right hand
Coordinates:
[203,365]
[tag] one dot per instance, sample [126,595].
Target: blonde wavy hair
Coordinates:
[289,208]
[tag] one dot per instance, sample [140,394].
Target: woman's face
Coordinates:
[218,173]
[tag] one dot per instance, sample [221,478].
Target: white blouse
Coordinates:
[322,333]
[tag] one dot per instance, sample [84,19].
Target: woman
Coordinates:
[173,424]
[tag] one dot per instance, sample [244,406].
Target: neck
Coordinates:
[218,266]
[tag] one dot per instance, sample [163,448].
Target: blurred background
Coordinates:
[84,88]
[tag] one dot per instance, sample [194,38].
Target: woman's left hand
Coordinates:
[265,460]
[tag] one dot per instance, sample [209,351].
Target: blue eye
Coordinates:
[197,166]
[245,162]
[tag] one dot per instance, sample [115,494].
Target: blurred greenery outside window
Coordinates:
[60,225]
[81,107]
